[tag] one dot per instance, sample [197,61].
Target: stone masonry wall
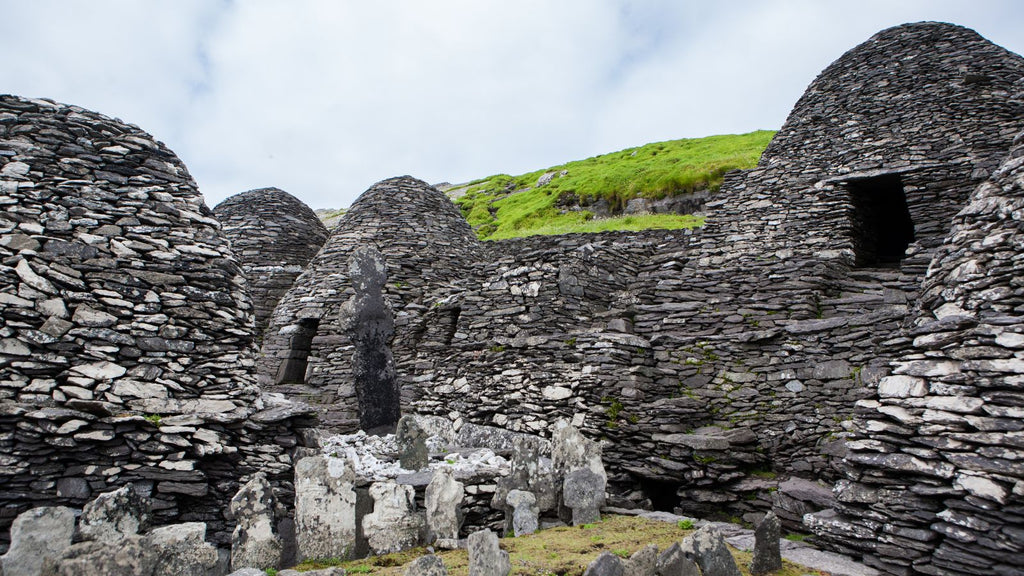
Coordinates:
[933,482]
[126,344]
[427,246]
[714,364]
[274,235]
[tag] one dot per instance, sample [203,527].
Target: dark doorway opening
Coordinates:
[300,343]
[664,496]
[882,227]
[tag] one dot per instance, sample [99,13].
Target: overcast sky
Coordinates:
[322,98]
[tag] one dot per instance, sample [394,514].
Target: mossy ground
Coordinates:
[562,551]
[504,206]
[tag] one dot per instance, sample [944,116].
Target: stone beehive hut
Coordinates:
[273,235]
[933,482]
[882,149]
[421,245]
[126,343]
[722,367]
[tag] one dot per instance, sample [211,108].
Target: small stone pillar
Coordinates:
[442,500]
[254,543]
[486,558]
[767,555]
[325,510]
[583,492]
[524,510]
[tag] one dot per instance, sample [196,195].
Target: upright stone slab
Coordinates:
[325,510]
[583,493]
[486,558]
[254,542]
[443,498]
[412,444]
[767,555]
[395,524]
[532,473]
[182,550]
[36,535]
[428,565]
[607,564]
[572,451]
[643,562]
[524,512]
[368,317]
[113,515]
[674,562]
[707,547]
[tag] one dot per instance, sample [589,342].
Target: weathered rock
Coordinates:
[606,564]
[428,565]
[181,550]
[325,510]
[767,556]
[254,541]
[443,500]
[674,562]
[37,535]
[412,444]
[486,558]
[525,513]
[369,319]
[394,524]
[707,548]
[643,562]
[583,493]
[571,452]
[113,515]
[132,555]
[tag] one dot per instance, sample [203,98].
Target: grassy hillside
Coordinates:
[504,206]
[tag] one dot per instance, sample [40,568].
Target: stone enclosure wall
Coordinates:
[126,342]
[849,313]
[713,364]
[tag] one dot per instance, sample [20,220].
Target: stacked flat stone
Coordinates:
[715,364]
[126,343]
[274,235]
[426,244]
[933,478]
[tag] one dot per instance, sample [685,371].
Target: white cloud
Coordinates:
[324,97]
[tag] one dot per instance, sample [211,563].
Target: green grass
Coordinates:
[564,551]
[504,206]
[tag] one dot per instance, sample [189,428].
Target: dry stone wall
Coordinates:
[715,364]
[126,342]
[426,245]
[273,235]
[932,482]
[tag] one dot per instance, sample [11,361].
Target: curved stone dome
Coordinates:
[424,244]
[117,284]
[126,339]
[922,92]
[880,152]
[274,235]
